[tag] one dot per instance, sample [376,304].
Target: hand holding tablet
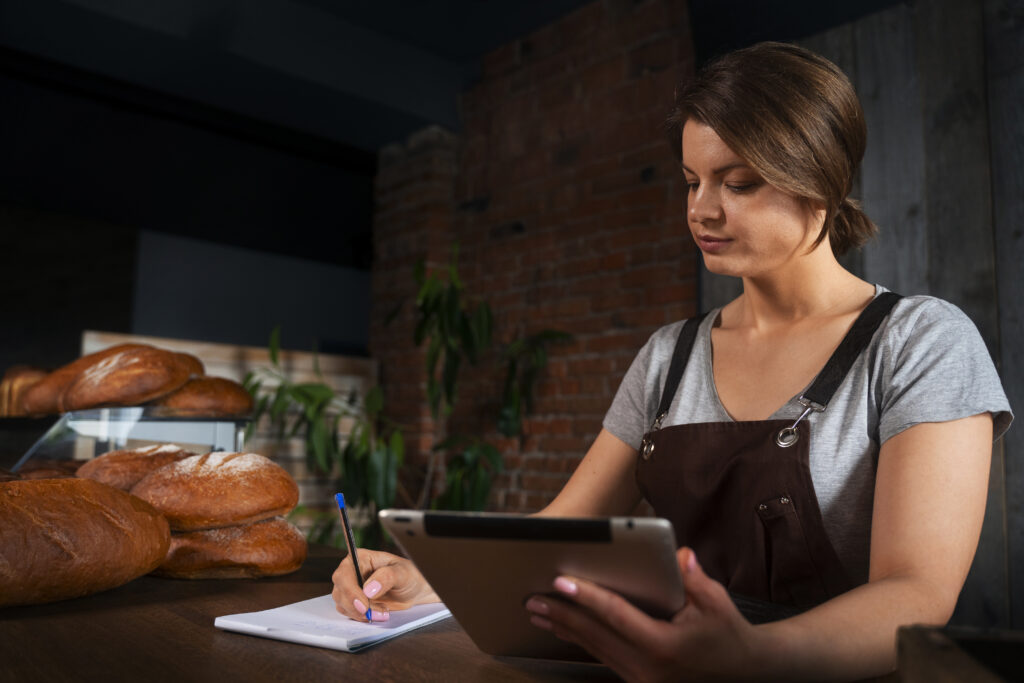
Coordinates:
[485,566]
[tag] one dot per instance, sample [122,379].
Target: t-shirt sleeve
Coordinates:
[937,368]
[627,416]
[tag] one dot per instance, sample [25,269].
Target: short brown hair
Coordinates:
[795,118]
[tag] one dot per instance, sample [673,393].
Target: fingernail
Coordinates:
[371,589]
[379,614]
[566,586]
[540,622]
[691,563]
[360,607]
[537,606]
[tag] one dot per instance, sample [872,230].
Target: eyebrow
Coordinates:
[721,169]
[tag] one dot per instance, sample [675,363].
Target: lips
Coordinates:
[712,245]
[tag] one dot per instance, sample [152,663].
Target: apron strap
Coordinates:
[827,381]
[855,341]
[680,357]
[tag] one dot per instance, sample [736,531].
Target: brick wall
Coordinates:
[568,208]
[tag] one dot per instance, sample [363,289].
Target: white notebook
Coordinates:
[317,622]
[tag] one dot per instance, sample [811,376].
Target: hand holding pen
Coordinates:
[369,590]
[393,582]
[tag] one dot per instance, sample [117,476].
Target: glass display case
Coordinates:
[85,434]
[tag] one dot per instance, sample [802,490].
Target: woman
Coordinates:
[800,437]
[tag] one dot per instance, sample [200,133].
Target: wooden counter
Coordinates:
[162,630]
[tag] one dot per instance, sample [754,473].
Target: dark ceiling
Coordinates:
[257,123]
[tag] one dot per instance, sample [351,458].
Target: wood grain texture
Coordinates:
[892,175]
[950,52]
[1004,40]
[162,630]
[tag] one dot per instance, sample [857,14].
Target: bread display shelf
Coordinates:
[84,434]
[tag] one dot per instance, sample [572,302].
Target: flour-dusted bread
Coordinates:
[206,397]
[43,397]
[129,377]
[268,548]
[65,538]
[219,489]
[124,469]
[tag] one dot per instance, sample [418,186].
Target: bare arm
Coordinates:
[602,485]
[930,495]
[930,492]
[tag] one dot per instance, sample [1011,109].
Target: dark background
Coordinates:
[126,131]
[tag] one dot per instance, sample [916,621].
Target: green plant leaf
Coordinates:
[450,377]
[374,401]
[311,393]
[318,442]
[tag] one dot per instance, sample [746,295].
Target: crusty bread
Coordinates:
[206,397]
[48,468]
[218,489]
[268,548]
[17,380]
[127,378]
[43,397]
[64,538]
[124,469]
[193,364]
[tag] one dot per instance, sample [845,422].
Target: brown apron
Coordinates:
[740,493]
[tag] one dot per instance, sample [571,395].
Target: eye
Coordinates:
[740,188]
[691,185]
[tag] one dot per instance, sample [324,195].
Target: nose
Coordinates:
[703,203]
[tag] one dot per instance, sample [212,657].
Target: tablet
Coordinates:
[484,566]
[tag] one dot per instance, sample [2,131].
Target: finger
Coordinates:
[575,624]
[702,591]
[345,589]
[609,607]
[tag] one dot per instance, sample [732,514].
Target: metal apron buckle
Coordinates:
[788,436]
[647,445]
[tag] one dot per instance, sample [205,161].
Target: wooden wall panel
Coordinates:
[948,197]
[892,174]
[1004,41]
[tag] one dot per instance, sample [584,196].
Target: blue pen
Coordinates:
[350,541]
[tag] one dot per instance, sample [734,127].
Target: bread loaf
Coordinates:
[206,397]
[124,469]
[47,468]
[268,548]
[127,378]
[218,489]
[43,398]
[17,380]
[64,538]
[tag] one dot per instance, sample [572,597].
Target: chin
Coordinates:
[723,266]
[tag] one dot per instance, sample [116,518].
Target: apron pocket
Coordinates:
[792,576]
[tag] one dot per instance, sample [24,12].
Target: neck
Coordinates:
[815,287]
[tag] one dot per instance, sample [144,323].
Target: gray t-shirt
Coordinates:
[926,363]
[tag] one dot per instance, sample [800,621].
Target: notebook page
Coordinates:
[316,622]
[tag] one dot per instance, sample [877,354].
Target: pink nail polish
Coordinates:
[371,589]
[379,615]
[566,586]
[691,563]
[360,607]
[537,606]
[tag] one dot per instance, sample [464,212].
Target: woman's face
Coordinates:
[744,226]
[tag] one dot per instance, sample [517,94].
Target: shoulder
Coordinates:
[662,342]
[920,318]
